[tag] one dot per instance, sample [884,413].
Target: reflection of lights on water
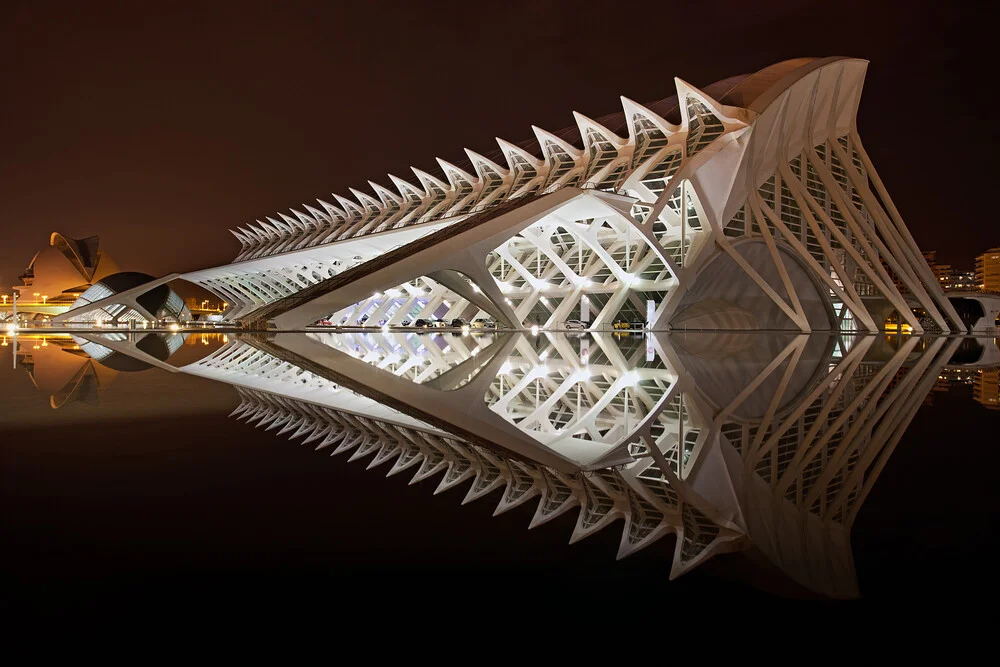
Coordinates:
[534,330]
[175,327]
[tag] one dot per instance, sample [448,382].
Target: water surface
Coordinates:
[791,467]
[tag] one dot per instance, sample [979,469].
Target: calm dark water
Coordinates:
[128,490]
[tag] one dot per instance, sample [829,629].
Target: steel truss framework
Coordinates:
[781,464]
[767,194]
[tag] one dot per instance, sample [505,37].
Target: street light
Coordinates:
[45,298]
[4,299]
[37,294]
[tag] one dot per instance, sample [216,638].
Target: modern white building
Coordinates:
[751,204]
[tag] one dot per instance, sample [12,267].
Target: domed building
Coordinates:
[157,304]
[64,270]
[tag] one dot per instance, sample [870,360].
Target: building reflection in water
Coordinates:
[76,369]
[732,442]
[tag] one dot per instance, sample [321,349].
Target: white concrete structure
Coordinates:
[752,204]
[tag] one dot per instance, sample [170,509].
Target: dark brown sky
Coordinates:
[161,125]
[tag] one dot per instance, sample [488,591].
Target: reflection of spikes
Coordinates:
[277,420]
[386,453]
[557,497]
[521,488]
[365,448]
[644,525]
[240,409]
[310,425]
[458,471]
[596,513]
[350,442]
[293,422]
[488,479]
[695,536]
[333,436]
[252,413]
[409,457]
[433,463]
[260,414]
[317,434]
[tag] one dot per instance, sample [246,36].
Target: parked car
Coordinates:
[620,324]
[458,323]
[439,324]
[575,325]
[422,323]
[405,323]
[483,323]
[324,322]
[362,320]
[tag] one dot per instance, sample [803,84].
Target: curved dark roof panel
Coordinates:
[82,253]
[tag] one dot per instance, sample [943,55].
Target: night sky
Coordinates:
[161,125]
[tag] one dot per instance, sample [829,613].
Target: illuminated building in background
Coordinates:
[959,281]
[986,390]
[57,275]
[988,270]
[64,270]
[751,204]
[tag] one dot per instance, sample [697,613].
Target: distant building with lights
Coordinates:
[949,278]
[986,390]
[955,280]
[58,274]
[988,270]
